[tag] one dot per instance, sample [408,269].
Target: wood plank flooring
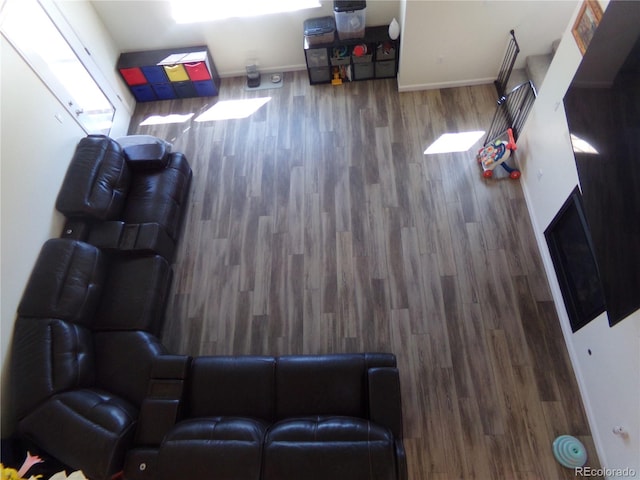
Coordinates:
[318,225]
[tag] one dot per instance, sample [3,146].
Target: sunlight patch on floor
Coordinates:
[166,119]
[454,142]
[232,109]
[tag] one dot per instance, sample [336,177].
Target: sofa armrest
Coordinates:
[124,362]
[172,367]
[145,152]
[76,229]
[141,464]
[385,405]
[162,407]
[106,234]
[97,181]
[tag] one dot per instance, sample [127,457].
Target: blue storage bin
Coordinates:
[185,89]
[143,93]
[154,74]
[205,88]
[164,91]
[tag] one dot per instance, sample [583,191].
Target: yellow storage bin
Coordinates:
[176,73]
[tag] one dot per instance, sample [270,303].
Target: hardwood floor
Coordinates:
[318,225]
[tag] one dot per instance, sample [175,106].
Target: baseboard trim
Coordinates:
[268,70]
[452,84]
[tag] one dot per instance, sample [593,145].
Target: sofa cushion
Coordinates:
[158,196]
[232,386]
[66,282]
[213,447]
[124,362]
[47,357]
[89,430]
[321,385]
[97,180]
[328,447]
[134,295]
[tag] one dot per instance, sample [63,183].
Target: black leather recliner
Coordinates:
[79,392]
[128,195]
[79,374]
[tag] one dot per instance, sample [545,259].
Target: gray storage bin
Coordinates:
[319,30]
[385,69]
[317,74]
[362,71]
[385,52]
[317,57]
[340,61]
[362,59]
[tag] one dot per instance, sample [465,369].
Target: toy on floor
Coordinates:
[336,80]
[497,153]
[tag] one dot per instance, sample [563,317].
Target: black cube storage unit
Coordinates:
[379,61]
[169,73]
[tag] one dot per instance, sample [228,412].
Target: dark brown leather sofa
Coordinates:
[94,387]
[317,417]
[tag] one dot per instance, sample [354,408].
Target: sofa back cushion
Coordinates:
[321,385]
[48,356]
[124,362]
[232,386]
[135,294]
[158,196]
[65,283]
[97,180]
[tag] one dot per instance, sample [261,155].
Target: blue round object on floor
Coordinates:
[569,451]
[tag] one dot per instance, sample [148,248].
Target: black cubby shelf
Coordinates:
[351,62]
[169,73]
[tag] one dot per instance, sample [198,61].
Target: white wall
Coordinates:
[454,43]
[608,377]
[275,41]
[35,149]
[444,43]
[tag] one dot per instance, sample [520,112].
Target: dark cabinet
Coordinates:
[169,73]
[373,56]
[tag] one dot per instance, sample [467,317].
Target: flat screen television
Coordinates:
[573,258]
[602,106]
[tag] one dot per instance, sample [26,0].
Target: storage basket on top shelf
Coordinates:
[351,16]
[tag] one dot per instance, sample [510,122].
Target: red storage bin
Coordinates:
[133,76]
[197,71]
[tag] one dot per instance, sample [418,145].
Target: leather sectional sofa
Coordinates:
[95,388]
[317,417]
